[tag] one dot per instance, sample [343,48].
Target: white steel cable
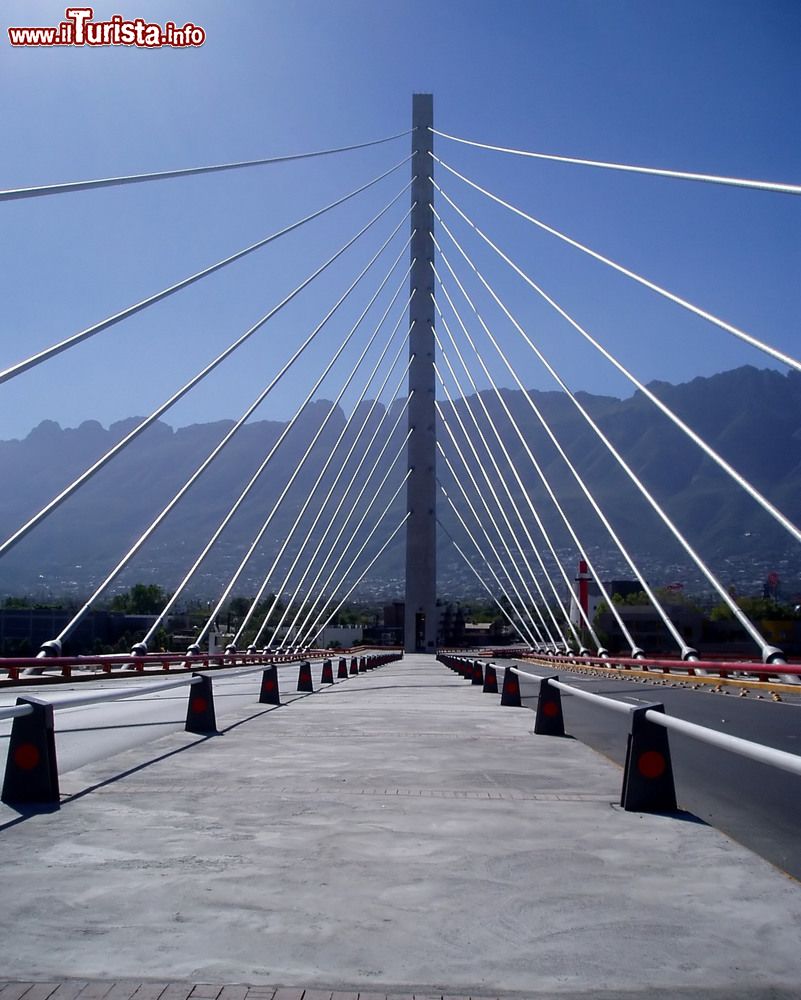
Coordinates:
[496,498]
[49,352]
[676,635]
[332,548]
[342,467]
[13,194]
[510,498]
[534,642]
[304,506]
[721,462]
[538,469]
[514,472]
[281,438]
[305,640]
[475,573]
[211,456]
[458,450]
[342,499]
[735,331]
[493,521]
[767,650]
[491,544]
[332,520]
[480,495]
[367,568]
[313,630]
[85,476]
[684,175]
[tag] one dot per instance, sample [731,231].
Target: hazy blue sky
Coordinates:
[703,85]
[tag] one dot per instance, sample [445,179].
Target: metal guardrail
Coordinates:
[18,711]
[15,711]
[161,662]
[724,741]
[31,775]
[719,665]
[745,748]
[720,668]
[648,773]
[618,706]
[99,697]
[121,664]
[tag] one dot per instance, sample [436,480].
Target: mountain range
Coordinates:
[751,417]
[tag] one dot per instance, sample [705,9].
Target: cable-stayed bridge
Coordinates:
[418,346]
[398,831]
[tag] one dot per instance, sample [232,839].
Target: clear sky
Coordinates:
[702,85]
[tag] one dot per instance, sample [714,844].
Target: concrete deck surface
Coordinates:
[399,833]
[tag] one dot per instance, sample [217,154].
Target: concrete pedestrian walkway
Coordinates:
[396,834]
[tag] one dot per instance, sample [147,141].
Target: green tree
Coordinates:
[757,609]
[238,607]
[141,599]
[18,602]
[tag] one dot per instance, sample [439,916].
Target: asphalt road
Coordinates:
[757,805]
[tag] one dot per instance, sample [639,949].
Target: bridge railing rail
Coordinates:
[31,773]
[655,716]
[124,662]
[722,668]
[648,784]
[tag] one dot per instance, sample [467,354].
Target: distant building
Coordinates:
[451,627]
[587,592]
[23,630]
[649,631]
[338,637]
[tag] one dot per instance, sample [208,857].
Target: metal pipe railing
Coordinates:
[31,773]
[15,711]
[723,668]
[98,697]
[745,748]
[713,737]
[648,772]
[615,705]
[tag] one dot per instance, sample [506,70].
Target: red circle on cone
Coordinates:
[199,705]
[651,764]
[549,708]
[269,685]
[26,756]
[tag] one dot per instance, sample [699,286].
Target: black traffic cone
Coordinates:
[549,721]
[269,693]
[31,767]
[305,677]
[200,715]
[648,775]
[510,693]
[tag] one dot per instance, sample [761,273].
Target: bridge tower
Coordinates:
[421,528]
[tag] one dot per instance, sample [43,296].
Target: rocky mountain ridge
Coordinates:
[751,417]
